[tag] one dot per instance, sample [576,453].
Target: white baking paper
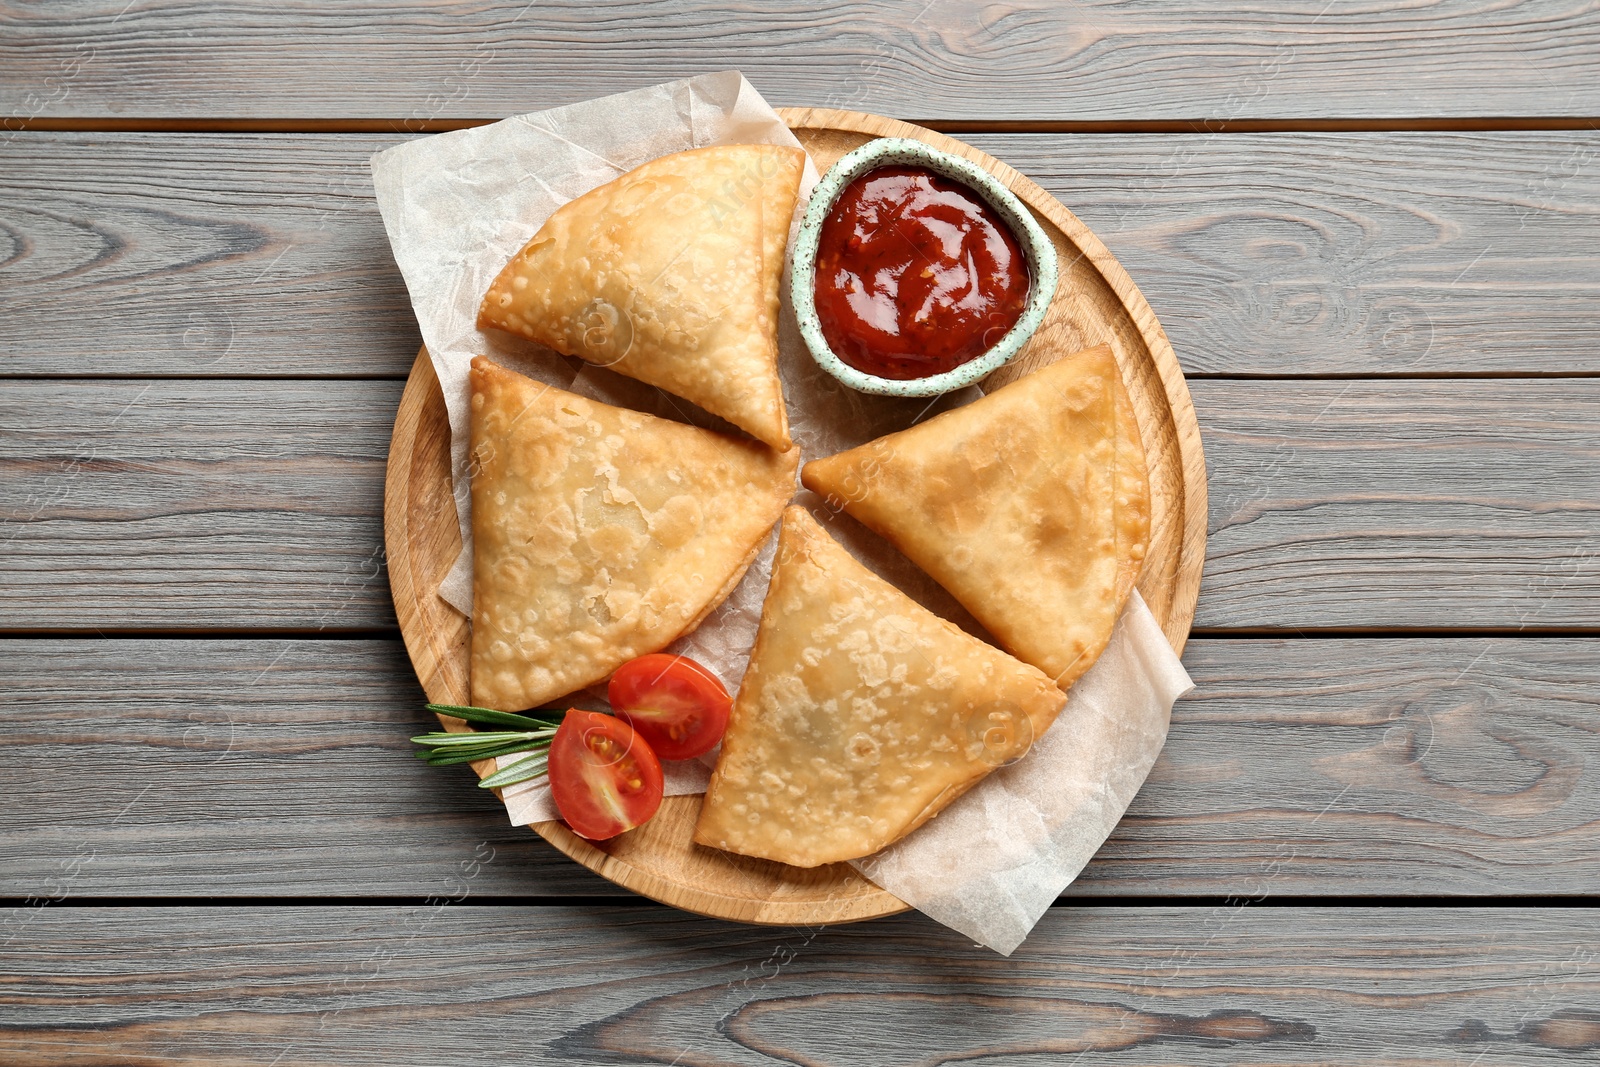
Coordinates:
[458,206]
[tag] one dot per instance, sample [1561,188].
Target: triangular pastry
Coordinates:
[1031,505]
[599,533]
[862,714]
[668,274]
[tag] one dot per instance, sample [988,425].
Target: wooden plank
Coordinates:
[1105,60]
[1329,254]
[1299,254]
[197,256]
[1371,767]
[244,768]
[1298,768]
[1434,504]
[248,505]
[167,505]
[300,986]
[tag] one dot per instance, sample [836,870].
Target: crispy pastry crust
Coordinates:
[861,715]
[599,533]
[668,274]
[1031,505]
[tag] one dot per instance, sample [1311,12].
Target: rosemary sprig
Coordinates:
[538,720]
[532,734]
[520,771]
[445,749]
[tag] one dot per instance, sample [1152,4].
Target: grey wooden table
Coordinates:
[1373,235]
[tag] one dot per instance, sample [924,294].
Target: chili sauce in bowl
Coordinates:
[916,272]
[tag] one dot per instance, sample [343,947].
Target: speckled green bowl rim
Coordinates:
[1037,250]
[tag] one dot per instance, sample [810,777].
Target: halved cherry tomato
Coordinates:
[679,706]
[603,776]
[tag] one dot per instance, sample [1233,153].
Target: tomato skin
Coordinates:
[677,705]
[603,776]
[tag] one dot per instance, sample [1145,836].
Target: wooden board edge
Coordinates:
[874,905]
[397,529]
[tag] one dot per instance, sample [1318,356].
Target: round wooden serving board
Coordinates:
[1096,303]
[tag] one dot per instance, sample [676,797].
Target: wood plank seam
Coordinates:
[1398,124]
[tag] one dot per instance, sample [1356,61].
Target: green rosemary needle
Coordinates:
[532,734]
[521,771]
[539,719]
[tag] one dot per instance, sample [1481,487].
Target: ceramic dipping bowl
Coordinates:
[1037,250]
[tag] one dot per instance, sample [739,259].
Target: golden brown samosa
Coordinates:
[668,274]
[599,534]
[862,714]
[1031,505]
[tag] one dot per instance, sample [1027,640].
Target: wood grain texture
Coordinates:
[1373,254]
[1289,254]
[1448,504]
[1339,767]
[167,505]
[422,539]
[244,505]
[944,59]
[197,256]
[1381,767]
[396,986]
[243,768]
[1096,303]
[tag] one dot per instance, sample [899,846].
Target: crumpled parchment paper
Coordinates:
[458,206]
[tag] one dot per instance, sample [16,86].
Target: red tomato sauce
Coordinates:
[916,274]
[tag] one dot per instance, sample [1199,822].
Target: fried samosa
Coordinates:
[668,274]
[862,714]
[1031,506]
[599,533]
